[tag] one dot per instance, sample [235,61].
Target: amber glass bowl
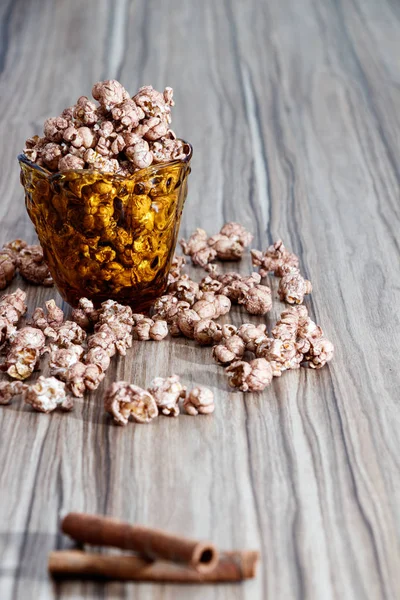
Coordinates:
[104,235]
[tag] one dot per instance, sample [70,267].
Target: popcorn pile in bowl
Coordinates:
[121,134]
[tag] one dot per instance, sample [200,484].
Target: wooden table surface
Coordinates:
[293,111]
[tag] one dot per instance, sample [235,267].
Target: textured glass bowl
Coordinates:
[104,235]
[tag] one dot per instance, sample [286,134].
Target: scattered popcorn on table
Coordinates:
[79,360]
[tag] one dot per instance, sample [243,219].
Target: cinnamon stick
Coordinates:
[231,567]
[150,543]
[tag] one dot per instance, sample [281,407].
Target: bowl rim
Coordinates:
[22,158]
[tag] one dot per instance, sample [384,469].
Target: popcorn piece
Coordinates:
[154,103]
[156,110]
[257,301]
[222,304]
[61,359]
[226,248]
[94,160]
[155,128]
[54,128]
[173,328]
[207,332]
[163,305]
[229,330]
[140,154]
[158,331]
[50,155]
[195,244]
[282,355]
[175,309]
[287,325]
[87,136]
[72,134]
[46,394]
[118,145]
[80,377]
[273,259]
[212,306]
[105,128]
[200,400]
[307,329]
[226,278]
[103,339]
[238,372]
[70,162]
[254,376]
[229,349]
[48,321]
[321,351]
[85,111]
[97,356]
[109,93]
[141,331]
[55,315]
[186,322]
[223,246]
[168,96]
[260,376]
[12,307]
[24,353]
[205,309]
[208,284]
[34,148]
[236,290]
[111,309]
[68,333]
[7,269]
[127,113]
[102,147]
[32,267]
[213,270]
[235,286]
[85,315]
[204,256]
[185,289]
[165,149]
[15,247]
[9,389]
[166,391]
[294,325]
[170,313]
[250,334]
[293,287]
[121,331]
[124,399]
[178,262]
[237,231]
[198,249]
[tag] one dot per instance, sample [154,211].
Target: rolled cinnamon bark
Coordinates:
[231,567]
[151,543]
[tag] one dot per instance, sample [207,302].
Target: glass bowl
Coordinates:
[105,235]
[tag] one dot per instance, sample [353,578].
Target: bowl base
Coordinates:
[139,302]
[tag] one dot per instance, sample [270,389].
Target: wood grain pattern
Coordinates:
[292,109]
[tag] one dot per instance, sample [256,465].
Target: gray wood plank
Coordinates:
[292,111]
